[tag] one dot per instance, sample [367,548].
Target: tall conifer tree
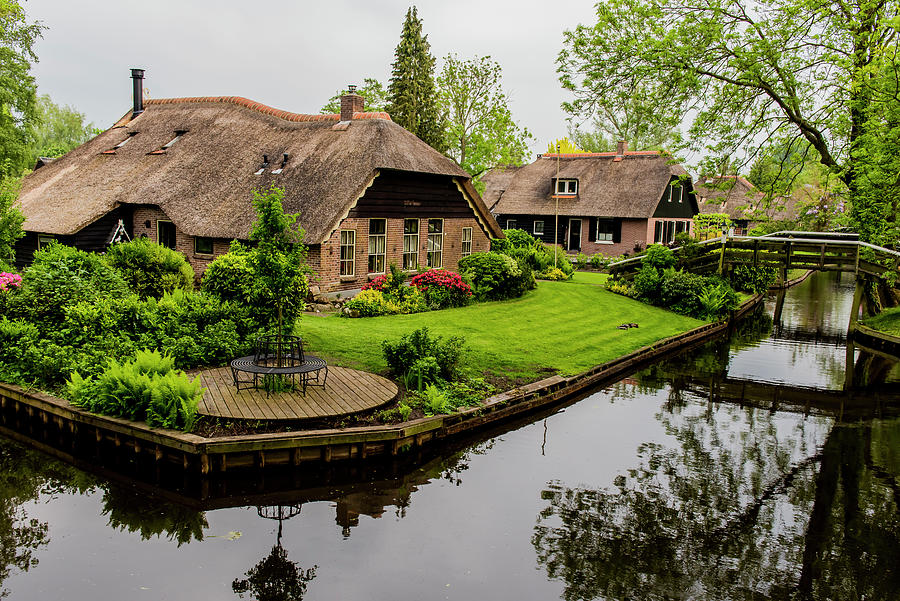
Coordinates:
[412,98]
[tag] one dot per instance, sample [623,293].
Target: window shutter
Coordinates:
[592,233]
[617,231]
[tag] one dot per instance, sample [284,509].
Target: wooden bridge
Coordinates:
[818,251]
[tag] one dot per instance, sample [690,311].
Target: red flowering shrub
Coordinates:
[376,284]
[442,288]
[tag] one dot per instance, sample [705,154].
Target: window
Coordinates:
[538,228]
[510,224]
[170,143]
[435,257]
[665,231]
[567,186]
[605,230]
[466,248]
[410,244]
[120,144]
[348,252]
[377,240]
[165,234]
[676,193]
[43,241]
[203,246]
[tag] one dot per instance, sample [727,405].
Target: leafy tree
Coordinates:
[743,74]
[58,129]
[412,96]
[564,146]
[18,92]
[481,133]
[11,220]
[373,92]
[279,265]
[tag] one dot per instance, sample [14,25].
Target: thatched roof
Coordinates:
[729,194]
[626,186]
[204,181]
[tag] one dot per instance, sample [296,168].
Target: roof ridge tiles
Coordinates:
[589,155]
[265,109]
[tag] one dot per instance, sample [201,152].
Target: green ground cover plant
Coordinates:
[888,321]
[566,327]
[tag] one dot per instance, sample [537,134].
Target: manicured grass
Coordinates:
[565,326]
[888,321]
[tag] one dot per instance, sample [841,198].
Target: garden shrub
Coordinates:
[371,303]
[581,261]
[403,354]
[150,269]
[554,274]
[442,289]
[598,261]
[493,275]
[658,256]
[757,279]
[61,275]
[646,285]
[144,388]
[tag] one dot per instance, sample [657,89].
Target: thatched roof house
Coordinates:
[183,170]
[610,202]
[744,204]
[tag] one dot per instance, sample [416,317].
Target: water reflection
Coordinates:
[755,467]
[776,483]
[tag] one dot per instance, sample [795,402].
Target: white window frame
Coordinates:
[511,224]
[45,240]
[607,236]
[377,247]
[435,250]
[411,246]
[466,245]
[347,241]
[535,228]
[566,187]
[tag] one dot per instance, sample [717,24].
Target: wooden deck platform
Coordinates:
[347,391]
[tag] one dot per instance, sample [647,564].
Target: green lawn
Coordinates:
[888,321]
[565,326]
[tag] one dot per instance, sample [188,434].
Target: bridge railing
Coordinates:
[819,251]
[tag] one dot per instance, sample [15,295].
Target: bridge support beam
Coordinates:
[858,295]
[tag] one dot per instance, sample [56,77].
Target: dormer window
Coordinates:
[676,193]
[568,187]
[171,142]
[120,144]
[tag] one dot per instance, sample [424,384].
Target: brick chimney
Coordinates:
[351,102]
[621,148]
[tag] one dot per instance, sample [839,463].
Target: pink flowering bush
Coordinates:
[9,281]
[442,288]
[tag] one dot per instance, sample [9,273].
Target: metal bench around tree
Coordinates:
[279,357]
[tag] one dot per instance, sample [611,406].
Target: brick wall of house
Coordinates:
[145,225]
[328,255]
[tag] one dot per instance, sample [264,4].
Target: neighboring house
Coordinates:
[182,171]
[610,202]
[744,204]
[732,195]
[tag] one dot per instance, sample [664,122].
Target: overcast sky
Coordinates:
[290,55]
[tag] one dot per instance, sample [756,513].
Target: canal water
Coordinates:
[749,468]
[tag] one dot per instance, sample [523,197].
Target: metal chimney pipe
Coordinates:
[137,77]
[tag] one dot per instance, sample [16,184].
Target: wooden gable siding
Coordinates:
[94,237]
[402,194]
[686,209]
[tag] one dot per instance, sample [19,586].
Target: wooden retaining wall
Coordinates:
[54,426]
